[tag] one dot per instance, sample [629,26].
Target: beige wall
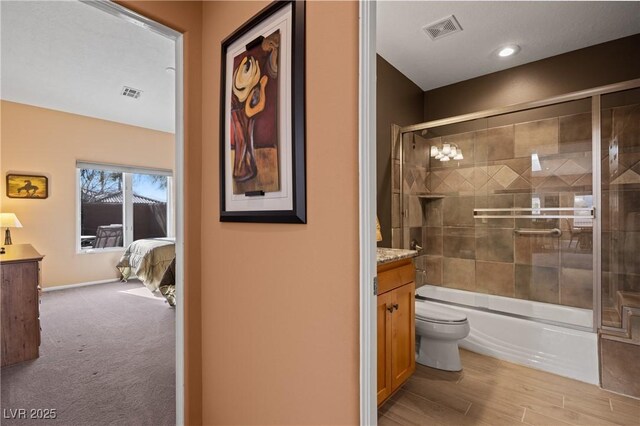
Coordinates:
[43,141]
[280,302]
[277,318]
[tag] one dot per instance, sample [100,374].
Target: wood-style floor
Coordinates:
[493,392]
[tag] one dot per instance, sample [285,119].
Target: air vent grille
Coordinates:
[130,92]
[442,28]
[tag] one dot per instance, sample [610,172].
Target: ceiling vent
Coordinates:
[130,92]
[442,28]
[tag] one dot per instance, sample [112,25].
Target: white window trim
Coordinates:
[127,202]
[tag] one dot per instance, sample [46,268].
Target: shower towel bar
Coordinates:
[536,213]
[532,231]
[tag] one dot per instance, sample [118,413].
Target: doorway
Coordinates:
[563,221]
[130,207]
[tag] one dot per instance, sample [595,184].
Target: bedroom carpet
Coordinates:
[107,357]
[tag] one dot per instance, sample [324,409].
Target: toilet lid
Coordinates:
[431,311]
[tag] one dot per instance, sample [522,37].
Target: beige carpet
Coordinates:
[107,357]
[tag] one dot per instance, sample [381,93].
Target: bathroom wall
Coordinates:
[400,102]
[594,66]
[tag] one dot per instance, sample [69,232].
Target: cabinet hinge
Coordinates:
[375,286]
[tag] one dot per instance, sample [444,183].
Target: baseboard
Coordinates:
[85,284]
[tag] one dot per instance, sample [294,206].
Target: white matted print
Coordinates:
[259,122]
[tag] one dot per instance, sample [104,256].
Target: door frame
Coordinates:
[122,12]
[367,206]
[367,194]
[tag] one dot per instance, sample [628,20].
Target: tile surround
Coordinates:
[536,136]
[495,278]
[459,273]
[537,283]
[495,144]
[620,367]
[494,244]
[458,211]
[576,288]
[497,173]
[459,242]
[433,270]
[433,241]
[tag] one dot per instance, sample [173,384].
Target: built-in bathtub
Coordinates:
[553,338]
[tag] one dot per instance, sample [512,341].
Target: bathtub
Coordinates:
[552,338]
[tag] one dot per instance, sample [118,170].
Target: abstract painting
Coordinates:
[27,186]
[254,117]
[262,118]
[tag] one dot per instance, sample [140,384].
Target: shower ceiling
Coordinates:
[541,29]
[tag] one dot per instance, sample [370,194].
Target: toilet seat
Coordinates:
[436,313]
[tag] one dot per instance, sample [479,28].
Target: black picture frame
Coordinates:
[298,213]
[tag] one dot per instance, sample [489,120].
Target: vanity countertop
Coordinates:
[387,255]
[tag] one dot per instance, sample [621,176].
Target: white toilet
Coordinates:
[438,330]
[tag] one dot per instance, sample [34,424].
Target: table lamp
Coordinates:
[378,230]
[9,220]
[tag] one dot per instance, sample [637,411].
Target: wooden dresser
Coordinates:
[19,297]
[396,325]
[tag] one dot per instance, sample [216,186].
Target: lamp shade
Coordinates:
[9,220]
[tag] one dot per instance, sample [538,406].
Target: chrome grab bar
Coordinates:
[532,231]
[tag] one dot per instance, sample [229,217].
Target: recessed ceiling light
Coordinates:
[170,69]
[509,50]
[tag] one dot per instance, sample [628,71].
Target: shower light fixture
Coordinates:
[447,152]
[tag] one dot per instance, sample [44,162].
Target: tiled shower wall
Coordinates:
[485,255]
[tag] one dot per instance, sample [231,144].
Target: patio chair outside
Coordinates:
[108,236]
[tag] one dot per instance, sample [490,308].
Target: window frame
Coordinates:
[127,202]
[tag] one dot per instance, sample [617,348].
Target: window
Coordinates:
[119,204]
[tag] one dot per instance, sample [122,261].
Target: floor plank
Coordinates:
[538,419]
[387,421]
[493,392]
[433,411]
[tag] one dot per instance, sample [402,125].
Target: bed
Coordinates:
[152,261]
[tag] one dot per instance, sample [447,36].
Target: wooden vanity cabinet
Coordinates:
[396,326]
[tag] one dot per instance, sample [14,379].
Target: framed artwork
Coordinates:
[27,186]
[262,118]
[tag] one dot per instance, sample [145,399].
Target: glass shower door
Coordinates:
[544,182]
[511,216]
[620,159]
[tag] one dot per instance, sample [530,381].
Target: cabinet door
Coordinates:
[403,338]
[19,301]
[384,346]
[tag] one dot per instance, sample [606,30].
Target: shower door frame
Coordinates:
[594,94]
